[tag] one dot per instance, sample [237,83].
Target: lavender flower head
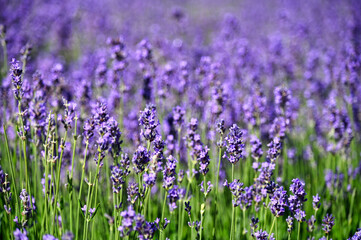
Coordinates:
[169,172]
[278,202]
[118,177]
[235,145]
[274,149]
[263,235]
[141,158]
[327,223]
[178,116]
[256,148]
[296,201]
[289,222]
[149,121]
[300,215]
[20,235]
[49,237]
[316,202]
[16,77]
[236,188]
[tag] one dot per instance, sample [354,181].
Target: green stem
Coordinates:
[163,211]
[298,231]
[273,223]
[58,176]
[80,190]
[231,236]
[11,167]
[86,221]
[71,176]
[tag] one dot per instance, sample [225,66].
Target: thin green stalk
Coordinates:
[81,188]
[216,192]
[231,235]
[183,210]
[95,183]
[298,230]
[23,139]
[273,223]
[115,215]
[57,186]
[86,221]
[244,221]
[72,172]
[163,211]
[11,167]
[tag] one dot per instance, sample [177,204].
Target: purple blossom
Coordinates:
[20,235]
[263,235]
[149,121]
[316,202]
[235,145]
[278,202]
[49,237]
[16,77]
[141,158]
[169,172]
[327,223]
[300,215]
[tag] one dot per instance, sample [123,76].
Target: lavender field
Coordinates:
[162,119]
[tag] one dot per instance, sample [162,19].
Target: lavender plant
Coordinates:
[167,123]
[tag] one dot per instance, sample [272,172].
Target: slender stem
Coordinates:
[163,211]
[183,210]
[115,214]
[273,223]
[231,236]
[216,193]
[58,175]
[11,166]
[86,221]
[244,221]
[81,188]
[298,231]
[71,176]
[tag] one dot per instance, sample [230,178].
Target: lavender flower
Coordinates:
[263,235]
[208,190]
[274,149]
[133,192]
[91,210]
[118,177]
[327,223]
[235,146]
[16,77]
[178,116]
[20,235]
[311,224]
[356,236]
[236,188]
[49,237]
[256,148]
[254,226]
[148,120]
[300,215]
[169,172]
[278,202]
[141,158]
[174,194]
[316,202]
[220,126]
[149,178]
[25,201]
[289,222]
[188,207]
[296,201]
